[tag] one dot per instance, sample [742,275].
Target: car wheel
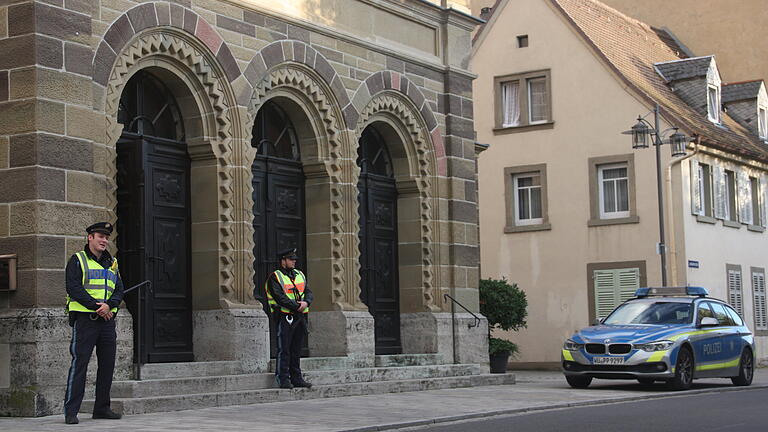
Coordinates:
[646,381]
[684,368]
[746,369]
[578,381]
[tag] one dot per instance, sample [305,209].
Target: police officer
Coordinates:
[290,297]
[94,290]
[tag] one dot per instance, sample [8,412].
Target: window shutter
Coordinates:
[734,291]
[696,207]
[758,289]
[719,187]
[763,194]
[745,198]
[614,287]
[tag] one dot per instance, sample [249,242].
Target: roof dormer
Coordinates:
[697,81]
[747,103]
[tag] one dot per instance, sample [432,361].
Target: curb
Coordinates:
[448,419]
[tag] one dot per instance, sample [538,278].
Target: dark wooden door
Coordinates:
[153,191]
[278,201]
[379,284]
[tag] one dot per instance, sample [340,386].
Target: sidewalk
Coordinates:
[535,391]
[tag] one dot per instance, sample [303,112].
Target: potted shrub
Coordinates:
[505,307]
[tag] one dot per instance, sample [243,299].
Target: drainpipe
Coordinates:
[671,246]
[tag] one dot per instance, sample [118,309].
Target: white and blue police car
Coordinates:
[670,334]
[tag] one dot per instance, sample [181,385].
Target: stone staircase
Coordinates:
[182,386]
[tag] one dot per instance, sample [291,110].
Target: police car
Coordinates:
[674,335]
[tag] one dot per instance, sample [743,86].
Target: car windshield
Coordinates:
[651,313]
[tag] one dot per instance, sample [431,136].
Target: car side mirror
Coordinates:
[709,322]
[597,322]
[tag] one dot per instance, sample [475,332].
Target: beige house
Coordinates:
[569,210]
[214,133]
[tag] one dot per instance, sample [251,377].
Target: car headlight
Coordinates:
[654,346]
[572,346]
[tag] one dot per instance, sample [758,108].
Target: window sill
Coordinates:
[731,224]
[617,221]
[756,228]
[503,130]
[761,332]
[527,228]
[706,219]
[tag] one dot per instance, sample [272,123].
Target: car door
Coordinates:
[706,341]
[731,338]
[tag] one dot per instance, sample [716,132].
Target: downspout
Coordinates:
[671,246]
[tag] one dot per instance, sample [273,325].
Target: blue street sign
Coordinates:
[693,264]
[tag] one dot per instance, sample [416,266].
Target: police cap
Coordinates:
[100,227]
[288,253]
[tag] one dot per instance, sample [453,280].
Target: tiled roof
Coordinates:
[631,48]
[683,69]
[739,91]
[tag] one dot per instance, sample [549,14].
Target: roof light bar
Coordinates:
[670,291]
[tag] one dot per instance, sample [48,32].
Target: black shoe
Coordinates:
[108,415]
[71,419]
[286,385]
[302,383]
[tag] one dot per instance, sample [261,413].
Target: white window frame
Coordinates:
[601,191]
[516,188]
[713,108]
[528,82]
[762,122]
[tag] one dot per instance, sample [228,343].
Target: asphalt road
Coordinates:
[743,411]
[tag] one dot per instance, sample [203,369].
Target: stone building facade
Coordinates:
[143,113]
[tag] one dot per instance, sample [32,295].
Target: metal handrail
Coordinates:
[476,323]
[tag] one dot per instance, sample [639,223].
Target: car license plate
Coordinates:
[608,360]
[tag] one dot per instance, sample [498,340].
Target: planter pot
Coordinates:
[499,362]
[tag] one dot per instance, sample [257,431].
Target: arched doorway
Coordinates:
[278,198]
[153,218]
[379,280]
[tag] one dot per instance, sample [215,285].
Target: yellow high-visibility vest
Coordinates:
[99,282]
[289,288]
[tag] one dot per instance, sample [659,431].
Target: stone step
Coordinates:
[228,383]
[321,363]
[408,360]
[190,369]
[247,397]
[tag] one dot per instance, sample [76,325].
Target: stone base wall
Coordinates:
[232,334]
[37,345]
[343,333]
[428,332]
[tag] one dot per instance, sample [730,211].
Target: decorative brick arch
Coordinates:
[150,37]
[159,14]
[397,82]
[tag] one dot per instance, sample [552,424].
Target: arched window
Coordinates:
[148,108]
[274,134]
[372,154]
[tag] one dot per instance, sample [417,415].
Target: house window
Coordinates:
[702,199]
[523,100]
[522,41]
[713,104]
[762,123]
[734,288]
[613,287]
[613,184]
[526,198]
[758,292]
[730,196]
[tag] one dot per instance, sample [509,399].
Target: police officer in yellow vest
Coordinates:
[94,290]
[290,297]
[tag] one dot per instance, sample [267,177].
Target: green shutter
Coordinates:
[614,287]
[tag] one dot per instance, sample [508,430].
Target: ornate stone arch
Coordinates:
[399,111]
[217,130]
[328,161]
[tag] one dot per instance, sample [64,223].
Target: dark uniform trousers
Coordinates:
[290,338]
[87,334]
